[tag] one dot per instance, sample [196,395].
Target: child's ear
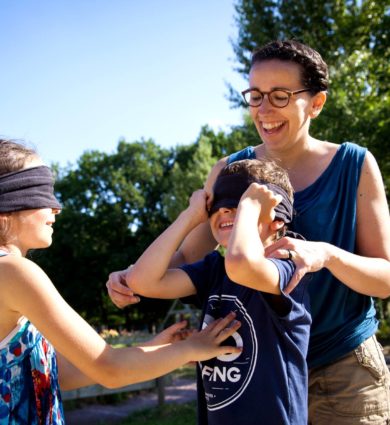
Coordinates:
[318,102]
[276,225]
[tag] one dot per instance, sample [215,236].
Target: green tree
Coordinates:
[114,206]
[192,163]
[189,171]
[353,38]
[112,209]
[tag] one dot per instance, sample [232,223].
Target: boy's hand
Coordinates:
[263,199]
[121,295]
[206,343]
[198,206]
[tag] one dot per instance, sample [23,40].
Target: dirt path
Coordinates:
[179,391]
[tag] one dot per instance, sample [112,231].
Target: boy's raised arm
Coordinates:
[244,260]
[194,246]
[151,276]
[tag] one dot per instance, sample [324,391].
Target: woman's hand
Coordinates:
[308,257]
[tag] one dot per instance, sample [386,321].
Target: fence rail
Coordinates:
[154,384]
[98,390]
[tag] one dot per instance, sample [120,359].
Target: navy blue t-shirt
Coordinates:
[267,382]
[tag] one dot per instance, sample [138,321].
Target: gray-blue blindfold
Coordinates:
[229,188]
[27,189]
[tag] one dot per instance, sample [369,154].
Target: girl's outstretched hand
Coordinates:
[206,343]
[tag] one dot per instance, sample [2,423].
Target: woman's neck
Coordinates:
[293,156]
[303,161]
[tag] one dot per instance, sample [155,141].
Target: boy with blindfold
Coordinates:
[36,321]
[266,383]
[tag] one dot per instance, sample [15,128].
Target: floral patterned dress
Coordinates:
[29,390]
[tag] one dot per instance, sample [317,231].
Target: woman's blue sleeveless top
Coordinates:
[326,211]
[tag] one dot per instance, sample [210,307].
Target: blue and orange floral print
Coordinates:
[29,391]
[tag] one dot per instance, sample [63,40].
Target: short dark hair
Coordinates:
[261,169]
[314,73]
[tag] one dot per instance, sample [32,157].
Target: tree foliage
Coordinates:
[115,204]
[112,209]
[353,38]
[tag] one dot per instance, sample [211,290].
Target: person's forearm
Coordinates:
[244,260]
[195,246]
[146,363]
[70,377]
[149,269]
[123,366]
[368,276]
[113,367]
[245,240]
[115,371]
[98,362]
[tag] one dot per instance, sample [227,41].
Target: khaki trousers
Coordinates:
[353,390]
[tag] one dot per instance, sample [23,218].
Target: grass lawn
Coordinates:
[187,371]
[169,414]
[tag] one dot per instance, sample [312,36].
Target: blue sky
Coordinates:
[82,74]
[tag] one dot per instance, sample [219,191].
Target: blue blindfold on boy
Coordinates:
[229,188]
[27,189]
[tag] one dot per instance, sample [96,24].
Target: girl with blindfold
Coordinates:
[39,330]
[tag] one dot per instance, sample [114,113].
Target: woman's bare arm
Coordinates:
[368,270]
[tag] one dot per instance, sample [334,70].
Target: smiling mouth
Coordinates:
[226,225]
[272,127]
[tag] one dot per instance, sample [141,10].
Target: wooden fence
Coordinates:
[157,385]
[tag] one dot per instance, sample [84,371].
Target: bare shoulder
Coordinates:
[373,219]
[371,182]
[370,164]
[17,273]
[14,266]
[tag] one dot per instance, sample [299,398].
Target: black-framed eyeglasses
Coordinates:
[277,97]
